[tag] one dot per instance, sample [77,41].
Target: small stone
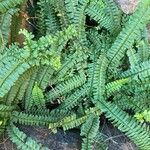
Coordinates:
[128,6]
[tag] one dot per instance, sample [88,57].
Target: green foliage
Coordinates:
[8,4]
[22,141]
[144,116]
[89,131]
[83,58]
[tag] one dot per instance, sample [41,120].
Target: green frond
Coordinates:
[71,6]
[47,19]
[79,16]
[115,86]
[144,51]
[129,33]
[68,122]
[89,131]
[10,73]
[99,78]
[73,120]
[112,11]
[74,99]
[38,97]
[100,42]
[17,91]
[37,120]
[44,76]
[22,141]
[96,12]
[28,102]
[5,5]
[6,111]
[69,63]
[129,103]
[60,10]
[134,57]
[5,23]
[66,86]
[139,72]
[136,132]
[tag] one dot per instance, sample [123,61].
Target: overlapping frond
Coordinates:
[22,141]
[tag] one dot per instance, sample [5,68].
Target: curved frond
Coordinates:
[22,141]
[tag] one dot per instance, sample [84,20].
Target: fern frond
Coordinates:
[136,132]
[89,131]
[96,12]
[34,119]
[51,21]
[127,36]
[69,63]
[10,73]
[28,102]
[143,50]
[60,10]
[66,87]
[113,12]
[5,23]
[6,111]
[73,120]
[134,58]
[38,96]
[72,100]
[5,5]
[17,91]
[139,72]
[79,17]
[99,78]
[47,19]
[44,76]
[22,141]
[71,6]
[115,86]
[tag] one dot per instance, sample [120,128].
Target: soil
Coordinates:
[71,139]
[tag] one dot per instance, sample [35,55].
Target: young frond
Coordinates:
[38,97]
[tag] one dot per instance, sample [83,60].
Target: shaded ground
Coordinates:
[70,140]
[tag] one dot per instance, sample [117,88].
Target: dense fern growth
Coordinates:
[83,59]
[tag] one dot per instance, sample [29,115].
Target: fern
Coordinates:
[8,4]
[65,87]
[99,78]
[89,131]
[138,133]
[38,97]
[139,72]
[22,141]
[127,36]
[80,59]
[5,23]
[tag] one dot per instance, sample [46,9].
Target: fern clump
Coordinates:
[83,59]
